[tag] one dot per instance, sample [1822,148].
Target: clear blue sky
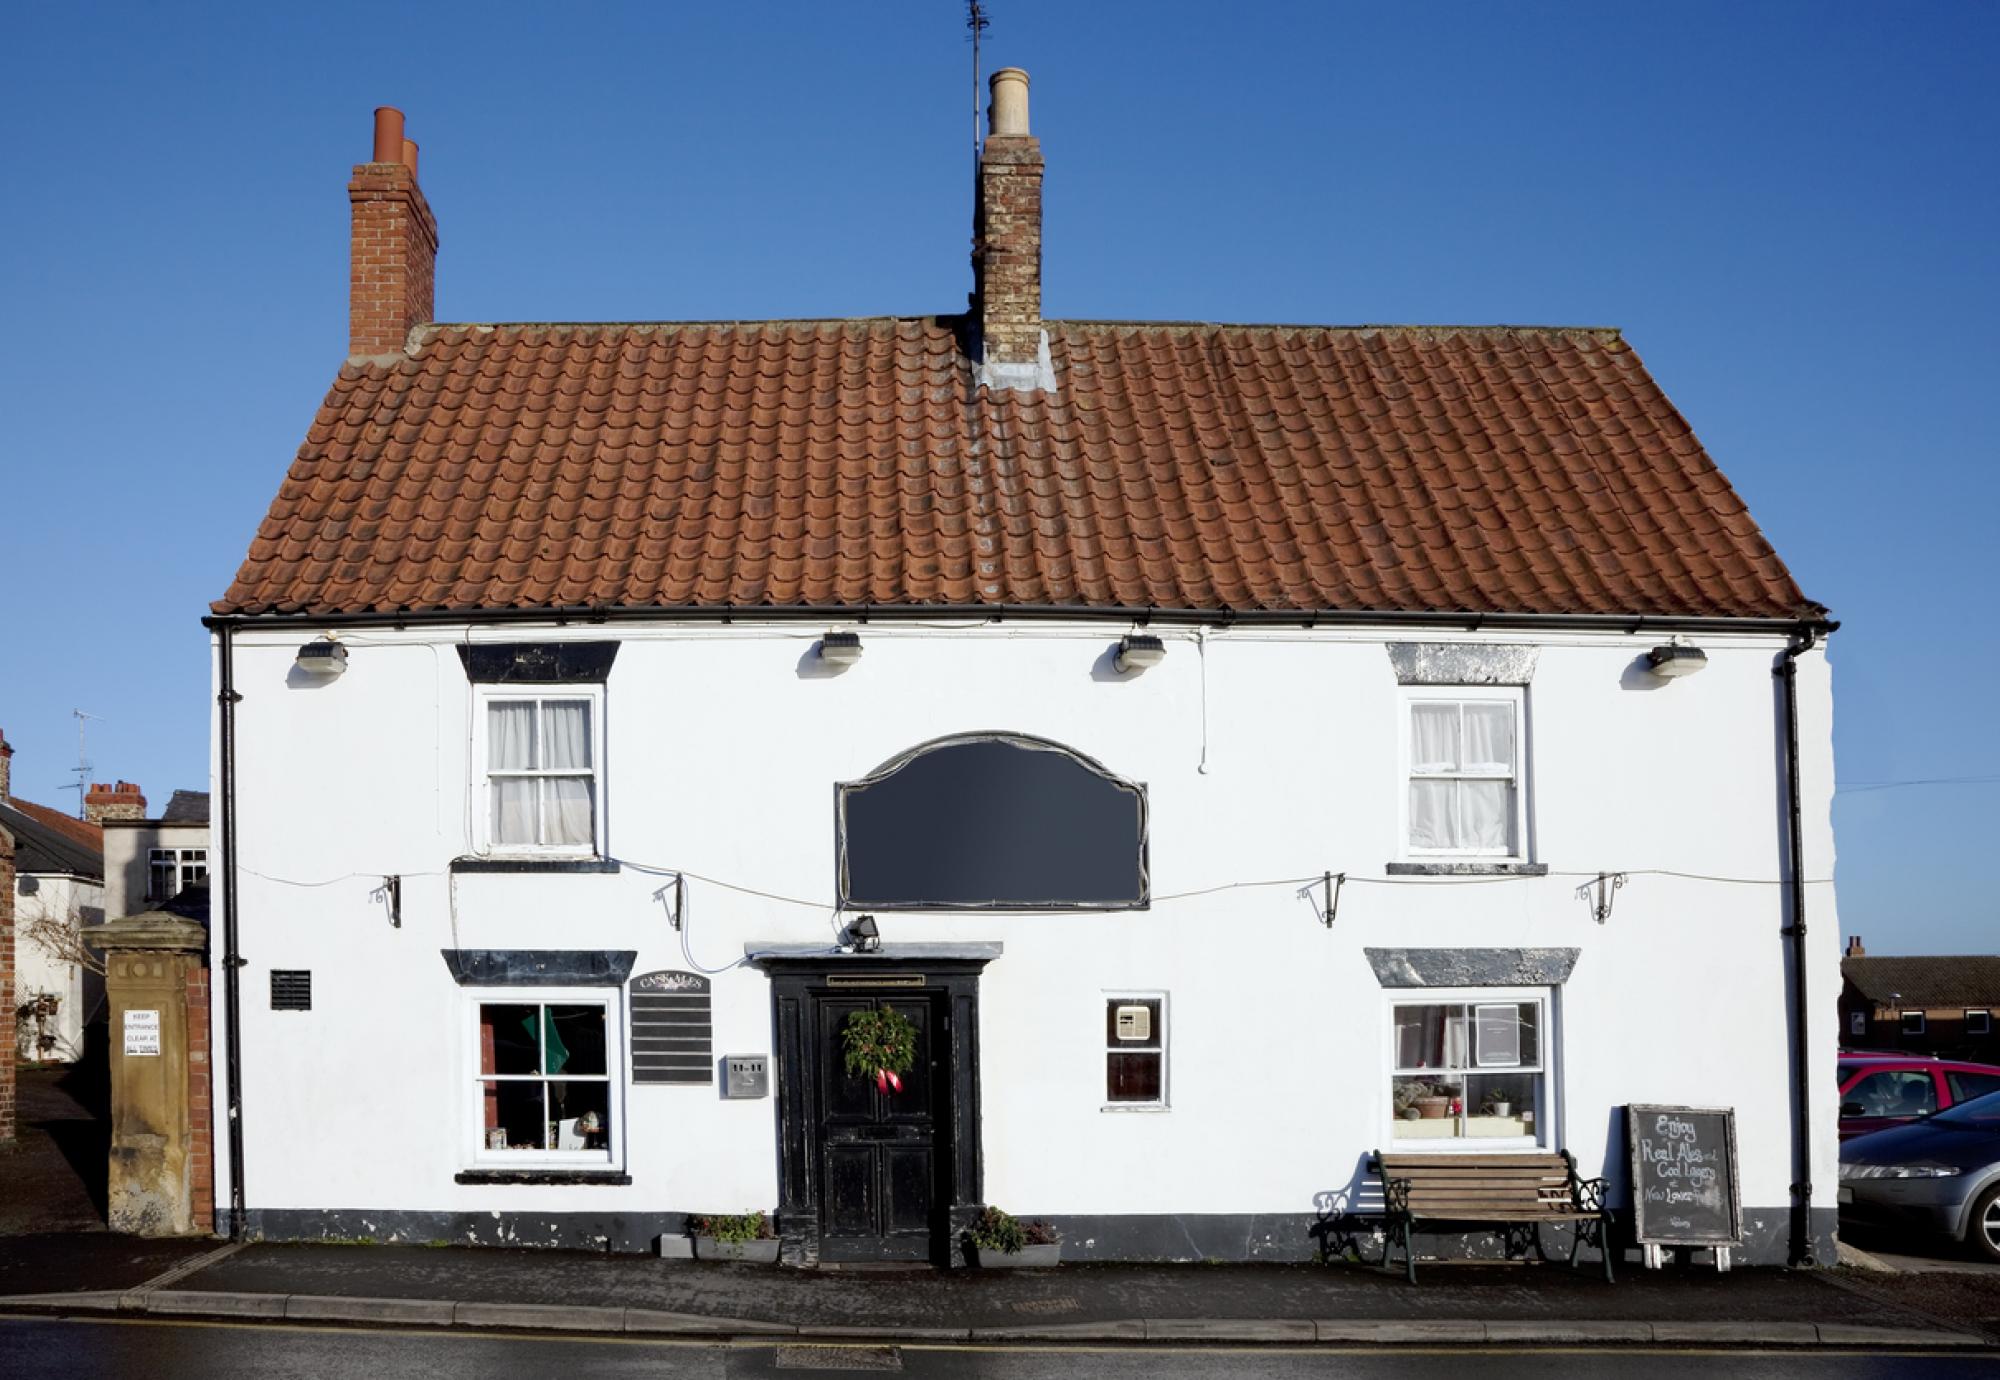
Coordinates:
[1792,209]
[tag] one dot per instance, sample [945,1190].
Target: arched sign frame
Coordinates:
[1026,741]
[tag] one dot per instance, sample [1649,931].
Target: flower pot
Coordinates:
[1027,1258]
[763,1252]
[1433,1108]
[1501,1109]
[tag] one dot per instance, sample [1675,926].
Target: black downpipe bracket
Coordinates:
[1801,1252]
[227,700]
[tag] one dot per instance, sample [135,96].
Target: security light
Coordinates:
[1139,651]
[323,658]
[863,935]
[1676,659]
[840,648]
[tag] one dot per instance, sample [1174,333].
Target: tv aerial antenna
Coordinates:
[977,21]
[82,785]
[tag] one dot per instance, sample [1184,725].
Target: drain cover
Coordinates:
[875,1358]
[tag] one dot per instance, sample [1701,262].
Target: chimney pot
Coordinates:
[388,134]
[1007,116]
[1854,949]
[410,156]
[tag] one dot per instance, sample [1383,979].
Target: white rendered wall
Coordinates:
[68,901]
[1266,755]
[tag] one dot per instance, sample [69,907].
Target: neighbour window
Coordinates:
[1979,1022]
[1857,1023]
[170,871]
[1913,1023]
[1966,1085]
[1469,1071]
[1464,767]
[1892,1092]
[541,774]
[542,1086]
[1135,1059]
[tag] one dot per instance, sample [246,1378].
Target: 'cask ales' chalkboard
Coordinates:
[1684,1176]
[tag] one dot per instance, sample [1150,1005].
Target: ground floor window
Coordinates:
[1135,1058]
[542,1090]
[1979,1022]
[1471,1070]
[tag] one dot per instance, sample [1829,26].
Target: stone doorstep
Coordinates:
[543,1317]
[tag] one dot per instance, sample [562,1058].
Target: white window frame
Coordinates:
[1545,1068]
[1922,1027]
[483,778]
[473,1151]
[1985,1019]
[182,861]
[1110,1047]
[1413,695]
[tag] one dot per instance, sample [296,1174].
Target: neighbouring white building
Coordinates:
[58,889]
[1229,750]
[149,861]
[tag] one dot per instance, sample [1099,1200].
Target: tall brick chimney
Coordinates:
[1011,348]
[6,766]
[393,271]
[122,801]
[1854,949]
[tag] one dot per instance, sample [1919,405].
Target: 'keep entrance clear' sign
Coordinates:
[142,1032]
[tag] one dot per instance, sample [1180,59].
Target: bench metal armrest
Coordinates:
[1589,1193]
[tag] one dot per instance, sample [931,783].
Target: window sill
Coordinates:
[1467,869]
[543,1176]
[1127,1107]
[531,864]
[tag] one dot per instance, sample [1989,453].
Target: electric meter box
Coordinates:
[1135,1023]
[746,1075]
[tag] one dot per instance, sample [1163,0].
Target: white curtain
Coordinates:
[1431,824]
[510,735]
[567,818]
[1489,737]
[567,723]
[1486,815]
[566,814]
[1433,737]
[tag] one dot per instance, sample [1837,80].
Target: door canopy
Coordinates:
[992,821]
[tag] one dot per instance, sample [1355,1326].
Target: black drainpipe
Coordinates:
[1801,1253]
[231,960]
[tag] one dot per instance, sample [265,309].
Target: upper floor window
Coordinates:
[170,871]
[1463,763]
[540,754]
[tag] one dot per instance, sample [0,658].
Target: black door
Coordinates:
[880,1157]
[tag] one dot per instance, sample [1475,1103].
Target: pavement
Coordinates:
[581,1293]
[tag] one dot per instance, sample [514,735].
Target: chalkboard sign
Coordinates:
[672,1034]
[1684,1176]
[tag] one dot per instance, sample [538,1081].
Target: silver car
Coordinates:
[1940,1175]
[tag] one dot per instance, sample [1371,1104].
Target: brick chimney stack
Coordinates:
[122,801]
[393,271]
[6,766]
[1012,350]
[1854,949]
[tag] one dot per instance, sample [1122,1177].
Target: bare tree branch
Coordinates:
[61,938]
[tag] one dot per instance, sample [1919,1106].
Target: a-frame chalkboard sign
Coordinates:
[1684,1190]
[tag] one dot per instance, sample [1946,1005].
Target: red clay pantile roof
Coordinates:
[772,464]
[78,831]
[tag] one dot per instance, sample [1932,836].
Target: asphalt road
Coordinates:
[32,1349]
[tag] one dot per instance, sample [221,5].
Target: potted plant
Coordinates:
[745,1237]
[1416,1099]
[1000,1241]
[1498,1102]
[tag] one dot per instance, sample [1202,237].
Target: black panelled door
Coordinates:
[880,1160]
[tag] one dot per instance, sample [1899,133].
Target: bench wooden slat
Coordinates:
[1546,1162]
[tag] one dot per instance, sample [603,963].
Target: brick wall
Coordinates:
[7,1032]
[201,1083]
[392,274]
[1007,249]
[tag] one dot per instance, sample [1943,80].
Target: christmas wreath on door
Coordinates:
[880,1044]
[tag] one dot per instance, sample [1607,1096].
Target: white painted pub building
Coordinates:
[1232,751]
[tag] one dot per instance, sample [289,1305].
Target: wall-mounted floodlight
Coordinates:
[322,658]
[1676,659]
[840,648]
[1139,651]
[862,935]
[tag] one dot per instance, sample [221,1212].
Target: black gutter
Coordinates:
[1787,670]
[227,699]
[1803,624]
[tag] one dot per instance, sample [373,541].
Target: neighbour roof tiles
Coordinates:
[1926,980]
[763,465]
[49,841]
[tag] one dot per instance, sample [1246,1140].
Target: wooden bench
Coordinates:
[1516,1191]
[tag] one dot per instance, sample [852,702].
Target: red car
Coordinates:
[1878,1091]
